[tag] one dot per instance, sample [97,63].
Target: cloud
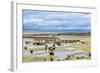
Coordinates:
[56,20]
[32,20]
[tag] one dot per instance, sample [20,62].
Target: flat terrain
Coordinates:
[67,51]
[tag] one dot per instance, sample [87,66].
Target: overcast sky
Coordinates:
[52,21]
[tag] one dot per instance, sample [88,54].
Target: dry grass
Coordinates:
[84,47]
[79,46]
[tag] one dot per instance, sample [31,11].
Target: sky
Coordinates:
[56,21]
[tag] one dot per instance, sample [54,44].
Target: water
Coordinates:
[61,54]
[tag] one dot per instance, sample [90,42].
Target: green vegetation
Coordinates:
[33,49]
[86,46]
[28,58]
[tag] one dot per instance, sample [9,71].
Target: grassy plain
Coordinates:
[86,46]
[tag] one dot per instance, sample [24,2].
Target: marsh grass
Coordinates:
[28,58]
[79,46]
[34,49]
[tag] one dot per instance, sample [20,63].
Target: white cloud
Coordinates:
[33,20]
[56,20]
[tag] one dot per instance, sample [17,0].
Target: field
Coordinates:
[56,48]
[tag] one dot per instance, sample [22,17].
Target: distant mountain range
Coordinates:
[30,34]
[76,33]
[57,30]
